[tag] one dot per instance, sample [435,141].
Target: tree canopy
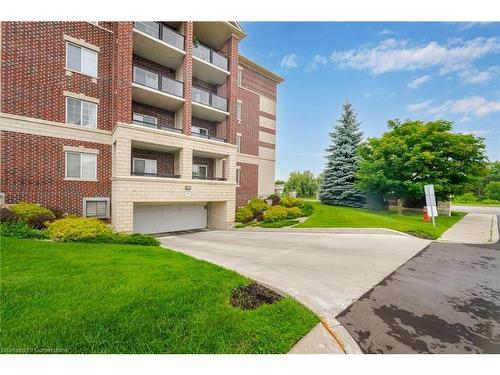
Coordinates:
[304,183]
[415,153]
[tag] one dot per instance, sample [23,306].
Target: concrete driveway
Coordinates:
[324,271]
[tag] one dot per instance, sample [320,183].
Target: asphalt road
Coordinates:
[476,209]
[446,299]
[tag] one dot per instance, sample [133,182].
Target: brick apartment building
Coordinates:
[158,126]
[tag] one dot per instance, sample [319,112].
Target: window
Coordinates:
[96,207]
[200,171]
[145,166]
[80,165]
[199,131]
[81,112]
[238,142]
[145,77]
[238,110]
[81,59]
[145,120]
[238,176]
[240,76]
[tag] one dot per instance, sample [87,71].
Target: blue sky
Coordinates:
[387,70]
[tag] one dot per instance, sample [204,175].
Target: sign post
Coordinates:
[430,201]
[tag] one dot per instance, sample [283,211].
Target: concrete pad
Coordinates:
[474,228]
[317,341]
[324,271]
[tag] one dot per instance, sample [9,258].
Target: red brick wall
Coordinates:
[33,169]
[248,188]
[164,161]
[187,72]
[249,126]
[153,67]
[209,125]
[259,83]
[33,69]
[166,119]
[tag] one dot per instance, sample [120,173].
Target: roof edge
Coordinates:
[259,68]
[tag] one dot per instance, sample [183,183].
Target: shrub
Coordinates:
[21,230]
[492,190]
[275,213]
[289,201]
[306,208]
[58,213]
[275,198]
[293,213]
[244,215]
[32,214]
[7,215]
[257,206]
[491,201]
[125,239]
[279,224]
[77,229]
[466,198]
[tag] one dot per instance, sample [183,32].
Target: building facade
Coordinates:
[157,126]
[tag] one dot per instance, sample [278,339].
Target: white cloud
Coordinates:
[472,106]
[418,81]
[395,55]
[477,133]
[474,76]
[317,61]
[290,61]
[385,32]
[418,106]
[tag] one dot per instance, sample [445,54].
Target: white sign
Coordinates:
[430,202]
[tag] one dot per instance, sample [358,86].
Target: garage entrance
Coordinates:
[161,218]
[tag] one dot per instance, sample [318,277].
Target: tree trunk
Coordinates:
[400,206]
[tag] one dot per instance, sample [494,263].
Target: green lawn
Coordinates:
[325,216]
[104,298]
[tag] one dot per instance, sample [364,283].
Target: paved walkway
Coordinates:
[476,209]
[324,271]
[474,228]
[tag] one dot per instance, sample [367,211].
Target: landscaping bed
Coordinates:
[79,297]
[325,216]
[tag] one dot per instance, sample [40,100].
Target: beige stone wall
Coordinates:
[267,105]
[266,122]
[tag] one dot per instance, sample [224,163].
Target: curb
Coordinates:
[340,335]
[327,230]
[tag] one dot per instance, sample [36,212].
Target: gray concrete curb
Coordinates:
[327,230]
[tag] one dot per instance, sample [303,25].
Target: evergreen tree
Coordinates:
[338,187]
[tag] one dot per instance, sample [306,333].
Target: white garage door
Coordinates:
[159,218]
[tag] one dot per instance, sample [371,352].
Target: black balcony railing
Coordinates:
[161,32]
[158,82]
[207,98]
[210,56]
[165,175]
[208,136]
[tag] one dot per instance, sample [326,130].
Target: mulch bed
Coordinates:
[252,296]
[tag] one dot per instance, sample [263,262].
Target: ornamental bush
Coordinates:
[21,230]
[276,213]
[33,214]
[257,206]
[289,201]
[306,208]
[244,215]
[275,198]
[7,215]
[293,212]
[73,228]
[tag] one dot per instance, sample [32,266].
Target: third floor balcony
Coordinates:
[159,43]
[209,65]
[156,90]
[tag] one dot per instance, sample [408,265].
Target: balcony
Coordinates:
[208,136]
[159,43]
[209,65]
[157,90]
[209,106]
[164,175]
[207,178]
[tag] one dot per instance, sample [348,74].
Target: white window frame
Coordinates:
[81,166]
[201,166]
[238,142]
[145,162]
[240,77]
[238,176]
[82,48]
[93,126]
[239,110]
[94,199]
[143,123]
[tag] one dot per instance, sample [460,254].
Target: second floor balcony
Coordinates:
[209,106]
[159,43]
[157,90]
